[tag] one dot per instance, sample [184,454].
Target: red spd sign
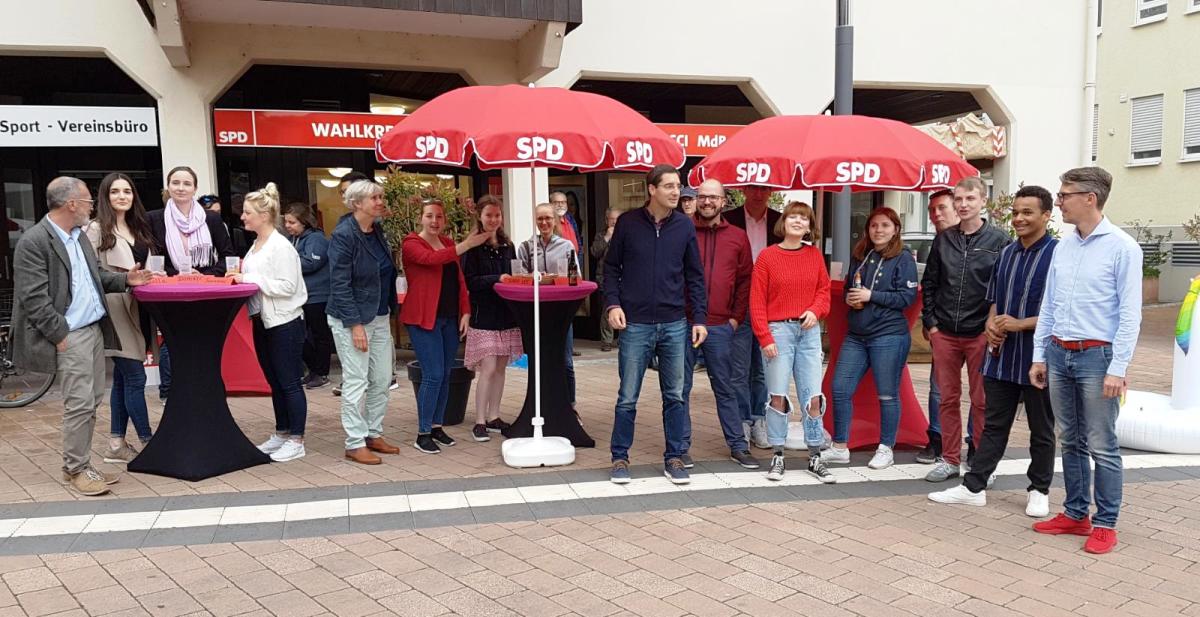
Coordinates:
[300,129]
[700,139]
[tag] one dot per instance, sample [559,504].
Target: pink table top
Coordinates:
[547,293]
[187,292]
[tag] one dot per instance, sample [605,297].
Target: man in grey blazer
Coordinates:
[60,323]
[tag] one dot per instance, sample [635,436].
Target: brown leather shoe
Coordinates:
[363,456]
[378,444]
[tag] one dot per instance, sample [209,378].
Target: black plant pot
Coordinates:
[460,388]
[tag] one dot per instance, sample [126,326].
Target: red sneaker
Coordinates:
[1064,524]
[1101,541]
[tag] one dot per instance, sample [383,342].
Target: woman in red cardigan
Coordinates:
[789,294]
[436,312]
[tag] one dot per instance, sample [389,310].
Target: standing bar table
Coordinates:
[558,306]
[197,437]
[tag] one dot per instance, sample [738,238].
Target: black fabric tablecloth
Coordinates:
[556,403]
[197,437]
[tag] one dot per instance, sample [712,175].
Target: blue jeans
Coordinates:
[1087,427]
[718,353]
[748,361]
[164,371]
[885,356]
[571,363]
[280,353]
[639,342]
[128,399]
[435,351]
[799,360]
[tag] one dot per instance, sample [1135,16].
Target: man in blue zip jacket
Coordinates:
[653,261]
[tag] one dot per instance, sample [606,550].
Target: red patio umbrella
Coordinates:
[830,152]
[524,127]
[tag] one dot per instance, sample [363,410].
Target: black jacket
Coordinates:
[954,288]
[737,218]
[216,230]
[482,268]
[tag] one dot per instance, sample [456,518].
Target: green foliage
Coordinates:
[1152,258]
[1191,228]
[406,194]
[734,198]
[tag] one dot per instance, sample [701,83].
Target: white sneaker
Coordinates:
[883,458]
[959,495]
[1039,505]
[991,480]
[836,455]
[273,444]
[758,434]
[289,451]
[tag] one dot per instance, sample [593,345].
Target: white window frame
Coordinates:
[1193,6]
[1141,5]
[1138,162]
[1195,119]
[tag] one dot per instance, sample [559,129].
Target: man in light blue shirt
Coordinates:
[1086,332]
[60,323]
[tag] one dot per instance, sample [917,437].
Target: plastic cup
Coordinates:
[156,264]
[233,264]
[518,267]
[401,289]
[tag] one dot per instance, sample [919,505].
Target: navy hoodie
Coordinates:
[652,268]
[895,290]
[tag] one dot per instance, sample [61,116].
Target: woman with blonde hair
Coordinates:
[277,314]
[789,295]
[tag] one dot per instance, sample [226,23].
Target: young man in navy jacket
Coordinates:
[652,273]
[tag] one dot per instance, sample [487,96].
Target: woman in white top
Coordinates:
[277,314]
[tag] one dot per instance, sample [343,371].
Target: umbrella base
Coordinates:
[538,452]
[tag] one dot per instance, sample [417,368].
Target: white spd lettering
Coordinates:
[429,146]
[939,174]
[233,137]
[753,172]
[857,172]
[534,147]
[639,152]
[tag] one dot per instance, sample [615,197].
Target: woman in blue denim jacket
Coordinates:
[882,282]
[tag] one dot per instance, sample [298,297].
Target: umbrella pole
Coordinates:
[537,420]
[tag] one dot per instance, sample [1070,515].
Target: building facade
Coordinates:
[1148,124]
[208,69]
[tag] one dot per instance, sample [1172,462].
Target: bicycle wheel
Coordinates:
[19,387]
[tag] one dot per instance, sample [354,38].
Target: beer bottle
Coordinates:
[572,270]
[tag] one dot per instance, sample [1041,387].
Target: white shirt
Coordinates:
[275,268]
[756,231]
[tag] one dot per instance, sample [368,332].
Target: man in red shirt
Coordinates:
[725,256]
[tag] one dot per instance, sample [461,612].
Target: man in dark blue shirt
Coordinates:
[1015,295]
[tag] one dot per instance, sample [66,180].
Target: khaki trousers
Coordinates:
[81,373]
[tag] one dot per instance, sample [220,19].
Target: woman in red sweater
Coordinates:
[436,312]
[789,294]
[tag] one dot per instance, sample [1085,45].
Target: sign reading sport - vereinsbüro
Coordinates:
[24,126]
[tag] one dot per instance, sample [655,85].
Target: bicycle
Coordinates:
[18,387]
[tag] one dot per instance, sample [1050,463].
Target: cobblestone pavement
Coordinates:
[460,533]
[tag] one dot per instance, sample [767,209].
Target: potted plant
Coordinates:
[406,194]
[1155,253]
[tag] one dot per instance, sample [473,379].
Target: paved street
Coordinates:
[460,533]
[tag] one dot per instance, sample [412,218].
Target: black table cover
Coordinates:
[197,437]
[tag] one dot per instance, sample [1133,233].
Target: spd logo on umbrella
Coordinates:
[857,172]
[535,147]
[429,146]
[639,152]
[939,174]
[753,172]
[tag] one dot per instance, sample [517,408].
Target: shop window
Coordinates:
[1145,135]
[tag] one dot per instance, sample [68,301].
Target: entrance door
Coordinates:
[18,212]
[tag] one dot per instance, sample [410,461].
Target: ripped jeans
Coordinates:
[885,356]
[800,360]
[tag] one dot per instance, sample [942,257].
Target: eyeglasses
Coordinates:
[90,201]
[709,197]
[1063,196]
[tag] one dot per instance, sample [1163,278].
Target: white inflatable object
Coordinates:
[1171,424]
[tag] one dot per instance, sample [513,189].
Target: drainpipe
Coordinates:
[843,104]
[1091,42]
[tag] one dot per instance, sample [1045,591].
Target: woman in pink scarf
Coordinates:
[188,236]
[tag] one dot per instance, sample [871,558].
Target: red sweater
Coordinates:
[785,285]
[423,268]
